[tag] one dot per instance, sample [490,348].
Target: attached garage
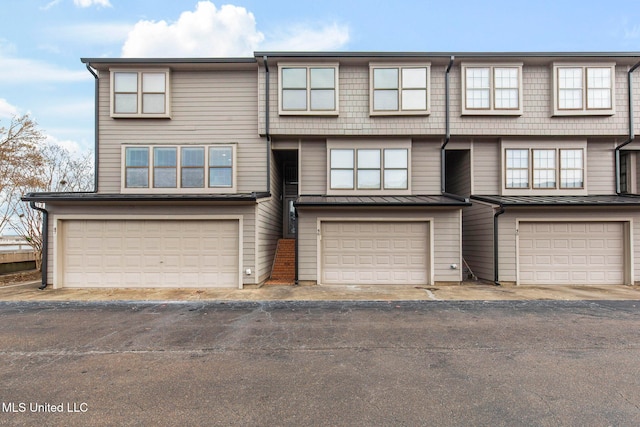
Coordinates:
[374,252]
[148,253]
[574,253]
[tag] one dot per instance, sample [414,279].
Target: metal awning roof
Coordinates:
[380,201]
[111,197]
[602,200]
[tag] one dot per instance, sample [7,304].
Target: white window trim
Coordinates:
[543,145]
[491,111]
[203,190]
[139,114]
[309,111]
[399,111]
[345,144]
[584,111]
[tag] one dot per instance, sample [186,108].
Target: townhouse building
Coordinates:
[375,168]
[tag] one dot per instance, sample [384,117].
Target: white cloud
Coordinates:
[103,33]
[208,31]
[89,3]
[50,5]
[307,38]
[71,146]
[20,70]
[7,110]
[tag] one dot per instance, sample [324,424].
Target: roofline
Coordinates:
[389,54]
[381,204]
[489,199]
[243,60]
[93,197]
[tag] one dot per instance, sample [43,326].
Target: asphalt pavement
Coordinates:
[304,363]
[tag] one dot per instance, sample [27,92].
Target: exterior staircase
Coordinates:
[283,271]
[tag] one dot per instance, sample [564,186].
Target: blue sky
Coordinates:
[42,41]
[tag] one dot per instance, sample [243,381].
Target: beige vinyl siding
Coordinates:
[269,224]
[507,231]
[477,239]
[207,107]
[354,109]
[601,178]
[313,167]
[486,167]
[425,167]
[165,212]
[446,239]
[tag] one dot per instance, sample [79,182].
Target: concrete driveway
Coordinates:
[469,291]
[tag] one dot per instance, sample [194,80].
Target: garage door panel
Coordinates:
[571,253]
[150,253]
[370,252]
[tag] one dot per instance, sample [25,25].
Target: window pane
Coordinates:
[342,159]
[192,156]
[294,78]
[517,158]
[599,78]
[342,179]
[477,98]
[137,178]
[153,103]
[506,78]
[137,156]
[506,98]
[395,179]
[164,177]
[544,159]
[517,178]
[192,177]
[323,99]
[369,179]
[544,178]
[220,156]
[414,78]
[322,78]
[126,103]
[599,98]
[477,78]
[125,82]
[165,156]
[414,99]
[570,78]
[385,78]
[571,179]
[369,159]
[570,159]
[220,177]
[570,98]
[396,159]
[385,100]
[153,82]
[294,99]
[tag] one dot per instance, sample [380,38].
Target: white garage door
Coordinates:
[571,253]
[374,252]
[149,253]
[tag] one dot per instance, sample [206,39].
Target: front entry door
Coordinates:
[290,220]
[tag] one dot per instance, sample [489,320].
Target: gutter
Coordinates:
[496,214]
[96,163]
[266,112]
[447,126]
[631,131]
[45,243]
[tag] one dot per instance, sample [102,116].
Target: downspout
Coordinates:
[496,214]
[447,126]
[631,131]
[96,164]
[45,242]
[266,112]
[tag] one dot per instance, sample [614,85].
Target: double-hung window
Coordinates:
[308,89]
[492,89]
[399,90]
[140,93]
[185,168]
[366,169]
[540,169]
[584,89]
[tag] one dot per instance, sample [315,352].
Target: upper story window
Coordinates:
[540,168]
[584,89]
[369,169]
[184,168]
[399,89]
[140,93]
[306,89]
[492,89]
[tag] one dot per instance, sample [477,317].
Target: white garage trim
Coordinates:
[427,220]
[58,237]
[627,240]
